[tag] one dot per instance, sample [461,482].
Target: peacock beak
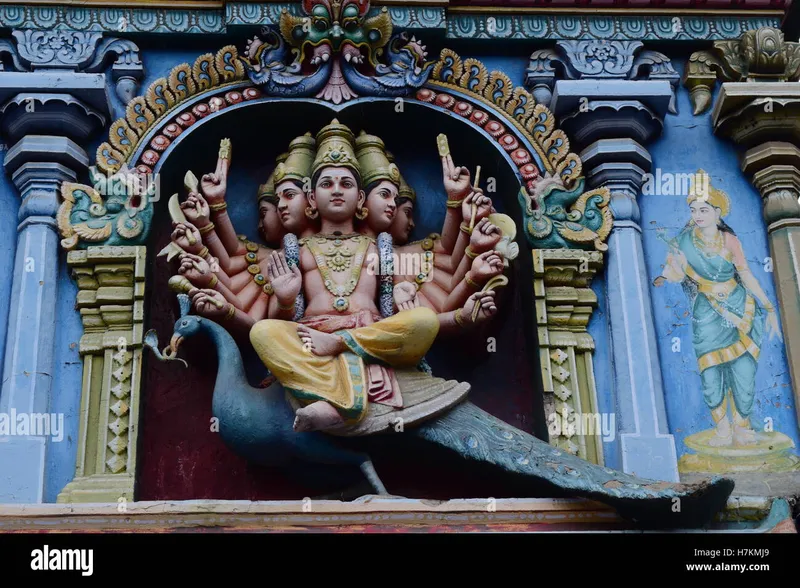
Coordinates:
[174,343]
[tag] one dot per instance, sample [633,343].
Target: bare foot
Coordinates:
[722,436]
[744,436]
[316,416]
[319,343]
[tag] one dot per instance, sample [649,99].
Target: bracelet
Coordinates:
[470,253]
[203,252]
[282,307]
[214,281]
[219,206]
[465,228]
[206,229]
[454,203]
[460,319]
[231,312]
[471,283]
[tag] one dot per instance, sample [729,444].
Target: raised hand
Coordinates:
[484,236]
[285,281]
[214,185]
[456,179]
[209,303]
[405,296]
[487,265]
[187,237]
[196,269]
[196,210]
[488,308]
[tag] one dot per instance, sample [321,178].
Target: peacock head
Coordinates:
[186,326]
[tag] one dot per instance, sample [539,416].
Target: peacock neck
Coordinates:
[230,373]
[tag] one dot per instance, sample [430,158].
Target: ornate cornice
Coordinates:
[596,59]
[760,55]
[76,51]
[196,17]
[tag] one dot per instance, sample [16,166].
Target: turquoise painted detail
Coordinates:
[546,223]
[458,26]
[651,28]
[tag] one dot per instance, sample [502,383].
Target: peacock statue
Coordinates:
[257,424]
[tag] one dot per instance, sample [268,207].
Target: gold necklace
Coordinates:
[708,248]
[340,292]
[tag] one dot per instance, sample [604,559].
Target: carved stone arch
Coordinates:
[564,226]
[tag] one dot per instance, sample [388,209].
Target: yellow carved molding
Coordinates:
[564,304]
[111,305]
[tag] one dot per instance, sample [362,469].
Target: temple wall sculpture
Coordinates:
[643,176]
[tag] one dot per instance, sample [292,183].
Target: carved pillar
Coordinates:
[609,121]
[564,305]
[759,111]
[111,303]
[49,111]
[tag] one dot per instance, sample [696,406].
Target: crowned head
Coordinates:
[708,205]
[336,175]
[292,179]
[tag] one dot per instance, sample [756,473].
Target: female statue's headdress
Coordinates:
[705,192]
[298,163]
[373,161]
[335,148]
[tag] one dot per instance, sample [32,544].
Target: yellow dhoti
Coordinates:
[344,380]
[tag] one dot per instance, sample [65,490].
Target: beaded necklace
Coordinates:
[339,258]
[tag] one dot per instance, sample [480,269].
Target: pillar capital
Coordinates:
[758,56]
[589,59]
[775,171]
[590,110]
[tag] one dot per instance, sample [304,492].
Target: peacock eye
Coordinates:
[185,324]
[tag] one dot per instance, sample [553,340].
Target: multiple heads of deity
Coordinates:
[336,176]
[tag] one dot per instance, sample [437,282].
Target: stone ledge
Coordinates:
[520,515]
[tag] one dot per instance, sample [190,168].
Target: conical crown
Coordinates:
[267,189]
[335,148]
[299,161]
[375,165]
[404,190]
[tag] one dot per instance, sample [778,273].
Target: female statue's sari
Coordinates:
[727,324]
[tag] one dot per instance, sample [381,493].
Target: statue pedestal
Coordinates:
[770,453]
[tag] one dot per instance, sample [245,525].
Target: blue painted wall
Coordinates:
[9,206]
[687,145]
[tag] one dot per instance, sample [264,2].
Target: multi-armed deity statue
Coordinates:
[322,303]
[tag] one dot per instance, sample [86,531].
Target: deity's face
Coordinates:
[403,223]
[336,194]
[292,203]
[381,205]
[704,214]
[271,227]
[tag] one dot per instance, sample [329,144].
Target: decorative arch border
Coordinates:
[524,129]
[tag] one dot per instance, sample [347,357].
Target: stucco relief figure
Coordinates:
[731,315]
[329,326]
